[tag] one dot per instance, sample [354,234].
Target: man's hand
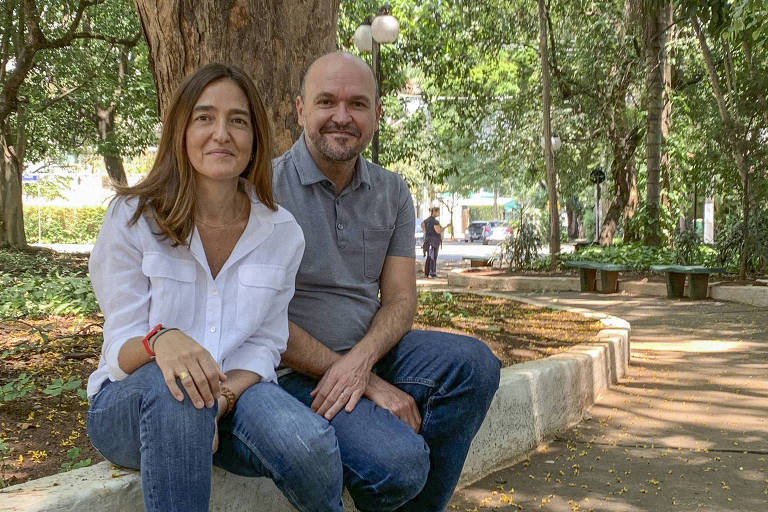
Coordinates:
[342,386]
[395,400]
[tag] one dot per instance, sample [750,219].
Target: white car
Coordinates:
[496,231]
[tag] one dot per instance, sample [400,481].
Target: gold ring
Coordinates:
[183,375]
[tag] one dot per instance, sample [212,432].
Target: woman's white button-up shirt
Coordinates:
[240,317]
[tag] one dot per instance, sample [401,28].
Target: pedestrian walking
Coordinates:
[433,239]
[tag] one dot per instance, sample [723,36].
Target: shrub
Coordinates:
[38,297]
[63,225]
[520,250]
[687,247]
[729,243]
[636,255]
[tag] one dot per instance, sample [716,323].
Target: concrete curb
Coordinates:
[752,295]
[535,401]
[514,283]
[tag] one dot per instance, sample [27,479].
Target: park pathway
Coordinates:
[685,430]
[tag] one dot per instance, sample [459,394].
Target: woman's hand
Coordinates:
[180,356]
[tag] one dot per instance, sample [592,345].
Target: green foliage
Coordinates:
[73,454]
[481,213]
[5,455]
[520,250]
[19,387]
[687,247]
[63,225]
[729,243]
[639,256]
[48,187]
[42,262]
[59,386]
[642,223]
[37,297]
[70,86]
[441,306]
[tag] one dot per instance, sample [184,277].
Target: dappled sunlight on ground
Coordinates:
[697,346]
[685,430]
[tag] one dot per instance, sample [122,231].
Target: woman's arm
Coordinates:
[180,356]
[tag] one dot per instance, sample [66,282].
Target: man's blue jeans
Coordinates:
[386,465]
[136,423]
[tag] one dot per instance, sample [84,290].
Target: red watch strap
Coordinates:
[151,333]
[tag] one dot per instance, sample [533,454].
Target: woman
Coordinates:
[193,269]
[432,240]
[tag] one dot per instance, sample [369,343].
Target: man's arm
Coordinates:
[345,379]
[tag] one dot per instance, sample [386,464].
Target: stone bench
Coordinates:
[609,275]
[698,279]
[478,261]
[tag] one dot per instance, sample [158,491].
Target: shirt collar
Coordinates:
[310,174]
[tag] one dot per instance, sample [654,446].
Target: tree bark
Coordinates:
[572,210]
[625,197]
[11,212]
[666,113]
[655,26]
[274,42]
[554,216]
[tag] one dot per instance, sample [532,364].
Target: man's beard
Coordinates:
[338,152]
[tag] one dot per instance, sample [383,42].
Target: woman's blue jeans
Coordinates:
[387,466]
[136,423]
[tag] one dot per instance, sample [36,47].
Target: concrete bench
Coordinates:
[698,279]
[609,275]
[478,261]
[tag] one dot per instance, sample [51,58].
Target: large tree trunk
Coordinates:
[11,212]
[624,201]
[666,113]
[633,201]
[573,208]
[554,216]
[273,41]
[655,25]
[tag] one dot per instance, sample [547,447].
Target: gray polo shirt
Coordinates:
[347,238]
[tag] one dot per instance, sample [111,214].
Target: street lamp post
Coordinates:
[383,29]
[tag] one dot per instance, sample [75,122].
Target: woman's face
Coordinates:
[219,134]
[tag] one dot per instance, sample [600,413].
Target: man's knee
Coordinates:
[394,478]
[461,361]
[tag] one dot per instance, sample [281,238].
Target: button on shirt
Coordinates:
[240,317]
[348,237]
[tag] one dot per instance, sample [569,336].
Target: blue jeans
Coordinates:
[386,465]
[136,423]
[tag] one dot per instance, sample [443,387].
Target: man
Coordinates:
[433,239]
[405,405]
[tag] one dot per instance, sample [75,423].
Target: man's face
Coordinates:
[338,112]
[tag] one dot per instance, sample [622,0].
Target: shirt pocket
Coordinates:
[257,289]
[375,247]
[172,290]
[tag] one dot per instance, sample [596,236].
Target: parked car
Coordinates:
[475,231]
[496,231]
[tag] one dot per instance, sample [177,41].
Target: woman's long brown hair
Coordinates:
[168,191]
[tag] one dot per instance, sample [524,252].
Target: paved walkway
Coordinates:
[686,430]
